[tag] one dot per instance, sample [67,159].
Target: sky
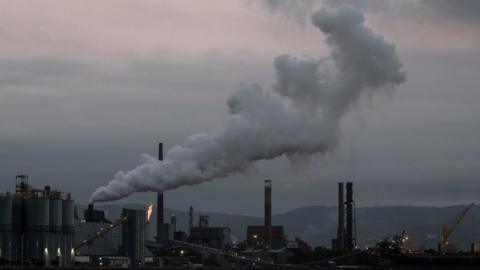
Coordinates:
[87,87]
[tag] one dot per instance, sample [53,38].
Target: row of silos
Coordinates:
[36,228]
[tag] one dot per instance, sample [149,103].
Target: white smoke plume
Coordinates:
[301,118]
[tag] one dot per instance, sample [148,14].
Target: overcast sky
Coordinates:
[88,86]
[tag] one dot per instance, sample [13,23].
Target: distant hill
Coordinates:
[317,224]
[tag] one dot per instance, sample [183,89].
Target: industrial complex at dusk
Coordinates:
[240,134]
[42,228]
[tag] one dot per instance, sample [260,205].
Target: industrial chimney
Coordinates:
[190,218]
[350,237]
[160,206]
[340,242]
[173,223]
[268,214]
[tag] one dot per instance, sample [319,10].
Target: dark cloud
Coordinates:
[294,10]
[457,10]
[463,11]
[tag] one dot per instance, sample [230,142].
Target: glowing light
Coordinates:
[149,211]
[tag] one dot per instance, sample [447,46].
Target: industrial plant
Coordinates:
[43,228]
[37,226]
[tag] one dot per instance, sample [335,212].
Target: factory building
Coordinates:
[103,242]
[94,222]
[214,237]
[36,226]
[256,237]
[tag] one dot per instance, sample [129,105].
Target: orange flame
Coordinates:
[149,211]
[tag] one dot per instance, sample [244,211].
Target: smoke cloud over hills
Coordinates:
[302,117]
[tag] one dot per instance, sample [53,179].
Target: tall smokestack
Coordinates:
[190,218]
[341,219]
[350,240]
[160,210]
[268,214]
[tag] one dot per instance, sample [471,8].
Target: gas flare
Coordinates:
[149,211]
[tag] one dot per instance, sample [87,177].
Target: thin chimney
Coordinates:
[350,238]
[268,214]
[190,219]
[160,205]
[341,219]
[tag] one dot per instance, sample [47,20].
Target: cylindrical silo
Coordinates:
[18,222]
[37,221]
[5,227]
[133,236]
[55,229]
[68,230]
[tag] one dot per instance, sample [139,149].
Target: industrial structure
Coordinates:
[256,237]
[346,229]
[121,241]
[96,235]
[41,228]
[133,236]
[160,201]
[36,226]
[165,231]
[444,246]
[214,237]
[266,236]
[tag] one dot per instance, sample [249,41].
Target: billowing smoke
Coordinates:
[301,116]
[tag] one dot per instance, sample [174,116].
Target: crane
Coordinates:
[448,230]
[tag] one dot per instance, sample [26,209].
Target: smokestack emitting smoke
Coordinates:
[318,92]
